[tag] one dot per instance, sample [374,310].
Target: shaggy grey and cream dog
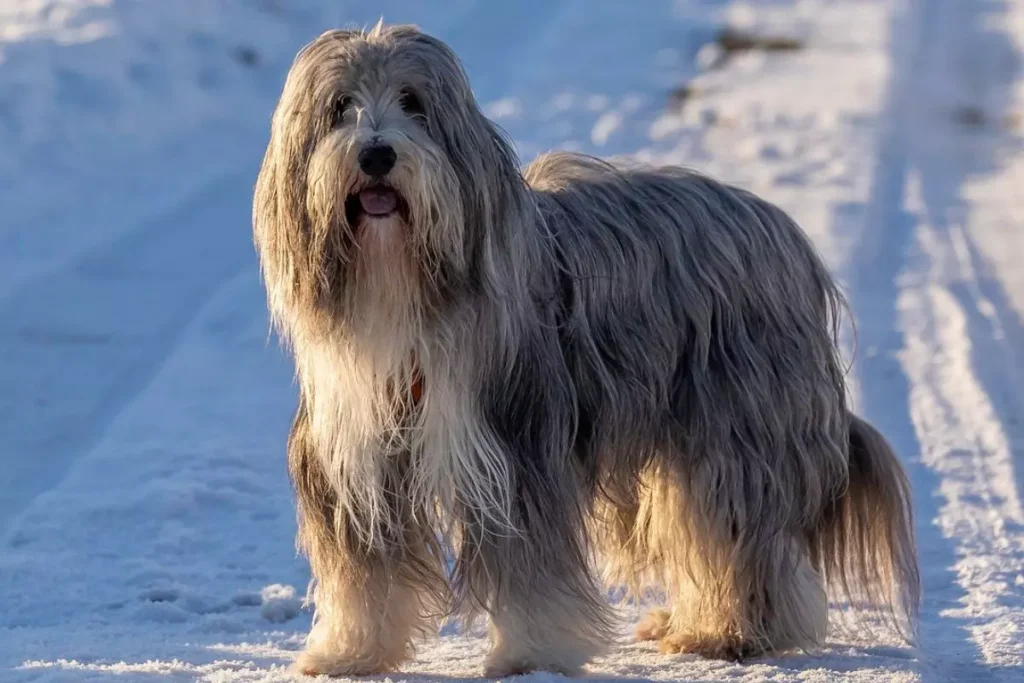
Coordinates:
[509,378]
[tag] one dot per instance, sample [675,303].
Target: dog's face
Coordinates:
[375,168]
[379,158]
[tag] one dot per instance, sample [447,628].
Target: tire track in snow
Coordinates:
[967,445]
[967,363]
[919,379]
[1005,343]
[875,270]
[79,343]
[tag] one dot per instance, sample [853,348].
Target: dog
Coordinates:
[509,379]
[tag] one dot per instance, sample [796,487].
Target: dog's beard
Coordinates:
[373,251]
[379,277]
[361,375]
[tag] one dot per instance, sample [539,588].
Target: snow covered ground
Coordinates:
[146,522]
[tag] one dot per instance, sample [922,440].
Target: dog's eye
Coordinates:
[342,104]
[410,104]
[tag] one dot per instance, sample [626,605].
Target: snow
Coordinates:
[146,520]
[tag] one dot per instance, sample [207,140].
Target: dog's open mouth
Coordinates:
[375,201]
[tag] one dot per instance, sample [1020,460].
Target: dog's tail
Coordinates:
[865,543]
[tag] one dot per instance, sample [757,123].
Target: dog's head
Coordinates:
[379,159]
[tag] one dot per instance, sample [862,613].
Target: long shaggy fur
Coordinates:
[527,369]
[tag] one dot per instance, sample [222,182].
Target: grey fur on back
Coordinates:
[658,268]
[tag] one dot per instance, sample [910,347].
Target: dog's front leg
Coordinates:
[372,601]
[547,612]
[530,569]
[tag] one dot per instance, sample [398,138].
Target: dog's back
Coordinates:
[700,248]
[680,293]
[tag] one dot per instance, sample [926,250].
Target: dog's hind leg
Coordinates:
[371,602]
[626,556]
[740,612]
[739,582]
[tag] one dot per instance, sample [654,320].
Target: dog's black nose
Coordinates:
[377,160]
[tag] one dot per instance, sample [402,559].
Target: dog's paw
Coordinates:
[726,647]
[654,625]
[318,663]
[504,669]
[500,664]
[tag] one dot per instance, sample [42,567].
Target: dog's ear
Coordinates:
[279,203]
[282,228]
[480,153]
[485,164]
[280,225]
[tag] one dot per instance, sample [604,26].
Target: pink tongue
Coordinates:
[378,201]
